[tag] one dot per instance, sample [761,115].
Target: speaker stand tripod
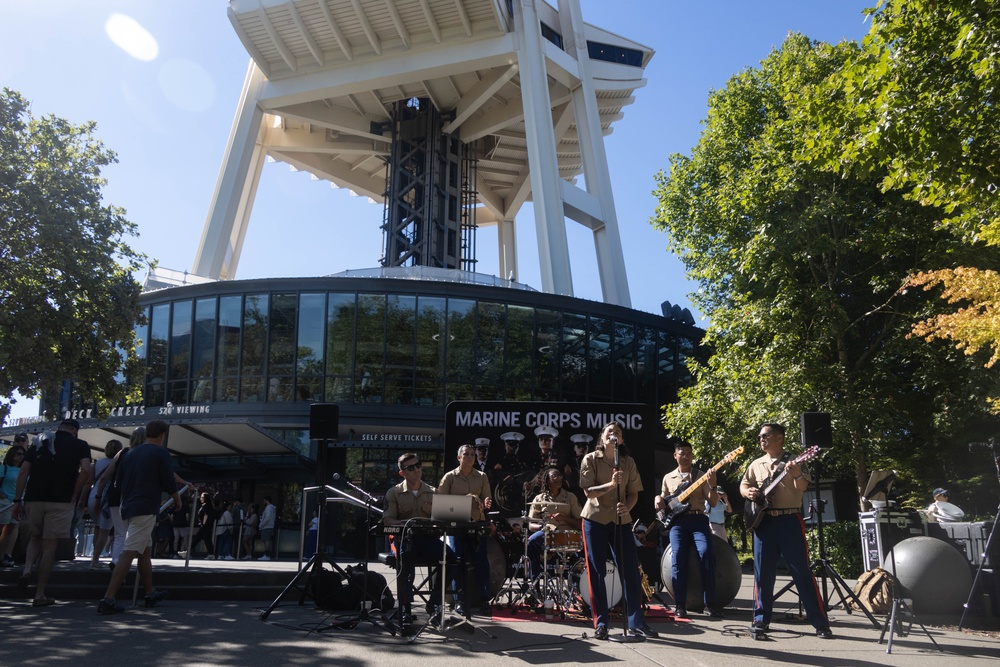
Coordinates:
[901,610]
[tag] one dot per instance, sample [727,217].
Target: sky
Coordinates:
[166,103]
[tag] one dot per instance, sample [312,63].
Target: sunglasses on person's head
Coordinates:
[413,466]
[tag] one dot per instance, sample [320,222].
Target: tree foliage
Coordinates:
[801,272]
[924,109]
[70,302]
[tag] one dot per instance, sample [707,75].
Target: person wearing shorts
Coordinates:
[143,476]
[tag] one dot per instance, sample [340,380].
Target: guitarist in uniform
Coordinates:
[781,531]
[689,527]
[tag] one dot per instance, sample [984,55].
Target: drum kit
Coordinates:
[561,586]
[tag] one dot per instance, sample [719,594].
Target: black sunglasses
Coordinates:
[415,466]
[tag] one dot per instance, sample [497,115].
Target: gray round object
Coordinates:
[932,573]
[728,575]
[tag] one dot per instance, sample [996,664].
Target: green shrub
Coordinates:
[843,547]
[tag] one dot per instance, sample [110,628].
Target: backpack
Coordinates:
[874,591]
[330,592]
[375,587]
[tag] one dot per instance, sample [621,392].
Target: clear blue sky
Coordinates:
[168,116]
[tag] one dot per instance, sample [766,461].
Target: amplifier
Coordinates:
[882,529]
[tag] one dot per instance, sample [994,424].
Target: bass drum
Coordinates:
[612,584]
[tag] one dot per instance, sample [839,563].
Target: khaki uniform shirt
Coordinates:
[596,470]
[403,504]
[785,495]
[563,496]
[673,480]
[454,483]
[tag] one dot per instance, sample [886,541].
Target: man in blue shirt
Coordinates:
[144,474]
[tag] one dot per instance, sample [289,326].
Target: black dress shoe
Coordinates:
[646,631]
[824,633]
[601,632]
[681,612]
[715,612]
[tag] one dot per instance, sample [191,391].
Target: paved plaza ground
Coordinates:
[199,632]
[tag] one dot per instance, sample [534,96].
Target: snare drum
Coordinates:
[564,541]
[612,584]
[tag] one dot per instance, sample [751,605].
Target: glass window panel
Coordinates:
[646,368]
[254,335]
[492,324]
[370,347]
[312,312]
[309,389]
[340,335]
[228,337]
[203,343]
[574,357]
[159,332]
[431,339]
[279,389]
[177,392]
[623,364]
[458,391]
[225,389]
[518,351]
[546,353]
[180,341]
[251,389]
[429,392]
[281,335]
[666,363]
[599,376]
[339,389]
[400,333]
[461,341]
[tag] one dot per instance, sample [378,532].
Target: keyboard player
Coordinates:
[411,499]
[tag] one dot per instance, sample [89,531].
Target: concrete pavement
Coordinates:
[231,633]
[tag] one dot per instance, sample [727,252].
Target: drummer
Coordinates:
[551,479]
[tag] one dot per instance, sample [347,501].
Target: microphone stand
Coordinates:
[625,637]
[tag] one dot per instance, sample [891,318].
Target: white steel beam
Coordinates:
[338,34]
[476,96]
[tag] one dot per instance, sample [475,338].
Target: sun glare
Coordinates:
[126,33]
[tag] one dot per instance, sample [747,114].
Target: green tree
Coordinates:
[69,301]
[800,273]
[924,93]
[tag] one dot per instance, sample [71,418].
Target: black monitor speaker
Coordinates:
[324,418]
[816,430]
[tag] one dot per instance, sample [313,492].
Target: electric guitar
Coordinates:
[753,510]
[676,504]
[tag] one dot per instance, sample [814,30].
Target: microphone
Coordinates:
[617,453]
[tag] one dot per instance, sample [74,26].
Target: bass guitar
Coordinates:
[753,510]
[676,504]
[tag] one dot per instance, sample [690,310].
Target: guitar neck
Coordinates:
[701,480]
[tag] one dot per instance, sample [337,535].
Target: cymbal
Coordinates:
[550,506]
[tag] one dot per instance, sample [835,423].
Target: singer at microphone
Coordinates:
[610,481]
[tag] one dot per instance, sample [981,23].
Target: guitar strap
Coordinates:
[778,469]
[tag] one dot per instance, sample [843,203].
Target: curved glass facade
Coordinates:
[402,343]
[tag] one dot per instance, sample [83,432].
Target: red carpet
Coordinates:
[520,614]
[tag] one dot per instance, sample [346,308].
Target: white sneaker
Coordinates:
[264,557]
[229,558]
